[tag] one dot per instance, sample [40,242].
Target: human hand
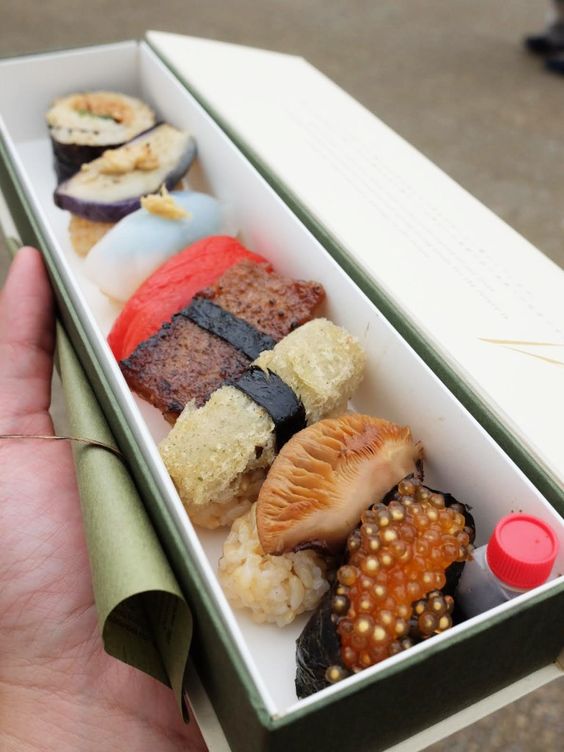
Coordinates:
[59,690]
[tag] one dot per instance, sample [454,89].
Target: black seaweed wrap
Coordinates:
[280,401]
[238,333]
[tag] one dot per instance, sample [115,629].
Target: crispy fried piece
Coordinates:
[183,362]
[218,455]
[84,233]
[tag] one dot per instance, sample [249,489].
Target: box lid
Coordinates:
[481,303]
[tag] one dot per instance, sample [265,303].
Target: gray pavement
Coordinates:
[448,75]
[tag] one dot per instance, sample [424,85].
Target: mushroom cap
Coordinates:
[326,475]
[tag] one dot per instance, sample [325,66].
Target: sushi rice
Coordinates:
[274,588]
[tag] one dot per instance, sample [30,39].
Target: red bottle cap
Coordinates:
[521,551]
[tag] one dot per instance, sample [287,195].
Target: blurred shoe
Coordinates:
[555,64]
[549,43]
[540,44]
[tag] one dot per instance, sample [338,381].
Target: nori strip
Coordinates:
[268,390]
[238,333]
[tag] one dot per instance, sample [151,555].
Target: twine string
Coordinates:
[80,440]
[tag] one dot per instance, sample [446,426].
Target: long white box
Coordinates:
[461,457]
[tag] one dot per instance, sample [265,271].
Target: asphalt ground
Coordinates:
[452,78]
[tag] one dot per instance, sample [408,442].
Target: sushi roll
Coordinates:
[83,125]
[218,455]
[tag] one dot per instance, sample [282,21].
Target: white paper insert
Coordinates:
[488,301]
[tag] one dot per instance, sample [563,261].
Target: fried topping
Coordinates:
[125,159]
[163,205]
[104,105]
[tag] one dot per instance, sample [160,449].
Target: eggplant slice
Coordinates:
[83,125]
[111,187]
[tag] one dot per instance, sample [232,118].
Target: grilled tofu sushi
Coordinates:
[185,363]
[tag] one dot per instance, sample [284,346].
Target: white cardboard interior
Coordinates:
[461,457]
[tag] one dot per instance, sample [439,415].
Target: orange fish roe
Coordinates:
[397,556]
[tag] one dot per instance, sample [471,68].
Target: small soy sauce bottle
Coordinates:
[519,556]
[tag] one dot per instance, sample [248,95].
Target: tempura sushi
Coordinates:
[218,455]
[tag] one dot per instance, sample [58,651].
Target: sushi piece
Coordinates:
[312,498]
[218,455]
[83,125]
[110,187]
[392,590]
[171,287]
[326,476]
[411,486]
[129,252]
[274,589]
[248,309]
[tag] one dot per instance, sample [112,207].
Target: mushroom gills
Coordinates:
[326,475]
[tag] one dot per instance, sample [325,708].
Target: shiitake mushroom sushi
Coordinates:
[278,557]
[84,124]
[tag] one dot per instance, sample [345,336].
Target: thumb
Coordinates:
[26,346]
